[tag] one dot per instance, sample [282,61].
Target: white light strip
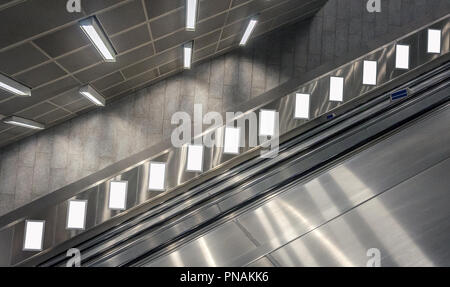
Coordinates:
[194,158]
[232,140]
[434,41]
[118,195]
[248,31]
[402,57]
[370,73]
[14,87]
[34,235]
[92,95]
[191,14]
[25,123]
[336,89]
[302,106]
[187,55]
[157,176]
[76,214]
[98,38]
[267,122]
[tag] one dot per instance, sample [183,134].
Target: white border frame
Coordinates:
[85,214]
[165,176]
[126,195]
[25,235]
[187,157]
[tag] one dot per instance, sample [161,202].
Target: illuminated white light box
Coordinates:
[157,176]
[336,89]
[301,106]
[191,14]
[76,214]
[194,158]
[187,55]
[118,195]
[402,57]
[34,235]
[232,140]
[370,73]
[434,41]
[267,122]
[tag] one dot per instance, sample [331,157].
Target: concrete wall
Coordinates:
[63,154]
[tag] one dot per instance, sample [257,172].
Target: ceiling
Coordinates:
[42,46]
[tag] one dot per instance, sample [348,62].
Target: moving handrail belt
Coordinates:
[157,227]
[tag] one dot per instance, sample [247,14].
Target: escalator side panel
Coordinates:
[307,206]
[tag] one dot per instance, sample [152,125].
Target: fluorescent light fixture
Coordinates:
[302,106]
[434,41]
[118,195]
[248,31]
[157,176]
[232,139]
[25,123]
[370,73]
[95,33]
[187,52]
[402,57]
[34,235]
[14,87]
[267,122]
[191,14]
[92,95]
[336,89]
[194,158]
[76,214]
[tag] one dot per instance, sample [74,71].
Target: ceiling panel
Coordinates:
[40,75]
[80,59]
[156,8]
[122,17]
[37,110]
[20,58]
[54,57]
[63,41]
[131,39]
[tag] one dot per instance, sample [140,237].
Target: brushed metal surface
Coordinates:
[408,224]
[408,169]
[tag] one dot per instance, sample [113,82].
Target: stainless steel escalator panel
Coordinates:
[178,179]
[409,225]
[305,207]
[214,249]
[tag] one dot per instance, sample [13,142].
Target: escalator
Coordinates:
[373,177]
[360,177]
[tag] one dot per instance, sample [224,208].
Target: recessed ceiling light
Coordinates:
[25,123]
[434,41]
[267,122]
[370,73]
[194,158]
[76,214]
[118,195]
[248,31]
[302,106]
[191,14]
[14,87]
[336,89]
[232,139]
[402,57]
[95,33]
[92,95]
[157,175]
[187,55]
[34,235]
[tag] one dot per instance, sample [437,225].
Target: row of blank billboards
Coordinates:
[77,209]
